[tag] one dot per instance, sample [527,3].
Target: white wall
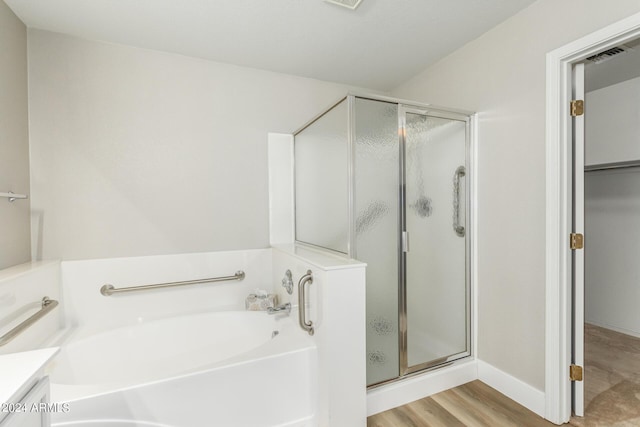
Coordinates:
[612,125]
[137,152]
[281,210]
[15,240]
[501,75]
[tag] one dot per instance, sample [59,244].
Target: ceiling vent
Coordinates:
[609,54]
[351,4]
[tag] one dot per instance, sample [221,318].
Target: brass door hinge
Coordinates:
[576,107]
[575,373]
[576,241]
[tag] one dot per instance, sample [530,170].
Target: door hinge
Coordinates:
[576,107]
[575,372]
[576,241]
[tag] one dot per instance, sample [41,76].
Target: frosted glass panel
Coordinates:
[321,180]
[376,207]
[436,286]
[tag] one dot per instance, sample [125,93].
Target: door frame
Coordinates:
[559,196]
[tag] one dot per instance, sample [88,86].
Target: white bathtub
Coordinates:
[209,369]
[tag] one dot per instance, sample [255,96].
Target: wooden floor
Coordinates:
[611,379]
[473,404]
[612,394]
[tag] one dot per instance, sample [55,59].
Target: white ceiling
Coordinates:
[378,46]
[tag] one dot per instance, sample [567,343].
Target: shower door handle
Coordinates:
[305,324]
[457,227]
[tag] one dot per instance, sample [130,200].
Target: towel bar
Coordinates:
[13,196]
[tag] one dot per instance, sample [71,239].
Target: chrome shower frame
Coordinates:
[405,106]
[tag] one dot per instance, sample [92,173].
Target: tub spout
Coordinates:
[282,308]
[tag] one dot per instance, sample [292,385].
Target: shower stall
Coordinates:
[387,182]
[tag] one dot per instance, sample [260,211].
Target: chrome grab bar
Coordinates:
[108,289]
[13,196]
[305,324]
[457,228]
[46,306]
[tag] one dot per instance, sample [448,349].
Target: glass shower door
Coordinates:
[436,291]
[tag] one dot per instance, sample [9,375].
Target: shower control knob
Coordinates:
[287,282]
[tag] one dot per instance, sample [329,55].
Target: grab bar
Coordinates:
[13,196]
[108,289]
[46,306]
[457,228]
[302,311]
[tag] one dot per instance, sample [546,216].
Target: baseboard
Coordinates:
[404,391]
[614,328]
[515,389]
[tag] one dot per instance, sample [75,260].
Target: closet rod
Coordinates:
[613,165]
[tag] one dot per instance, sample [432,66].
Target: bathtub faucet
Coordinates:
[282,308]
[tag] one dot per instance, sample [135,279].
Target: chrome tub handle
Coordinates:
[457,227]
[305,324]
[283,308]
